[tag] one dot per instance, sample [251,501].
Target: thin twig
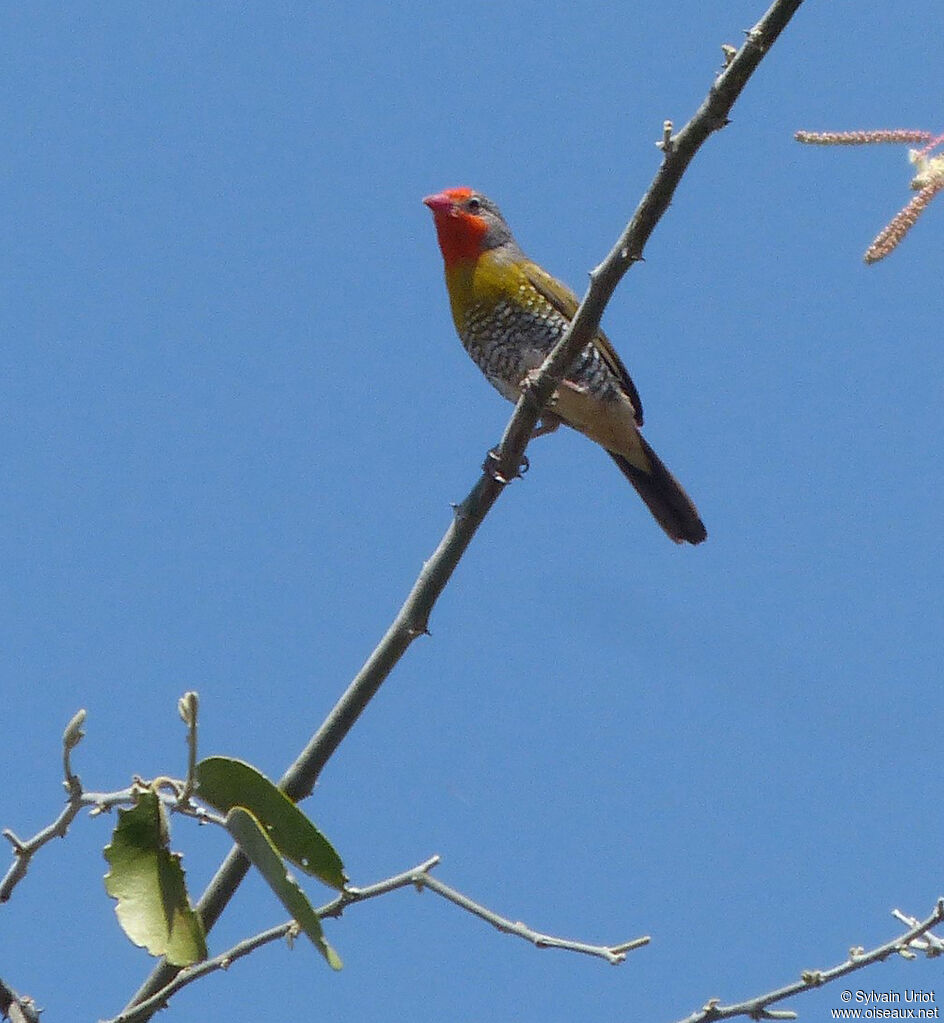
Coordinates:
[97,803]
[917,938]
[17,1008]
[412,618]
[611,953]
[71,737]
[178,799]
[144,1009]
[420,878]
[188,706]
[24,851]
[679,150]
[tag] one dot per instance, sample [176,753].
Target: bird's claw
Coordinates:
[492,462]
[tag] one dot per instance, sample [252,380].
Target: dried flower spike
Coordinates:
[927,182]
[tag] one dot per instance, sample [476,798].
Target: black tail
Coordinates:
[671,507]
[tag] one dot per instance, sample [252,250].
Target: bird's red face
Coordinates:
[459,226]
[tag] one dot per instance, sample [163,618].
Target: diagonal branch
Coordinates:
[145,1008]
[918,937]
[420,878]
[17,1008]
[679,151]
[411,620]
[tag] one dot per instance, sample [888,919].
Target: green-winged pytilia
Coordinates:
[510,313]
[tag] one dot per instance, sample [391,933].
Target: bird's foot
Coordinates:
[493,461]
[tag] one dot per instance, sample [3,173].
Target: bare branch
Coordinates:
[97,803]
[144,1010]
[71,737]
[412,618]
[188,707]
[611,953]
[288,930]
[917,938]
[24,851]
[420,878]
[17,1008]
[679,151]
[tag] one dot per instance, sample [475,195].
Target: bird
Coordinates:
[509,313]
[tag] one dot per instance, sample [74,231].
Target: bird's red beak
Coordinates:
[440,203]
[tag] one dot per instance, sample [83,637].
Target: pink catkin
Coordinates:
[932,144]
[901,224]
[860,138]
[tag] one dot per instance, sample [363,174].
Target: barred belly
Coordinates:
[506,341]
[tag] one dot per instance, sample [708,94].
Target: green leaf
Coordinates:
[147,880]
[251,837]
[224,782]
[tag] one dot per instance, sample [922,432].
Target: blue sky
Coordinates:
[235,416]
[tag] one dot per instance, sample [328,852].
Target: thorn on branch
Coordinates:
[492,467]
[17,1008]
[756,39]
[710,1008]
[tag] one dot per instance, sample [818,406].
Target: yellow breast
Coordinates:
[487,281]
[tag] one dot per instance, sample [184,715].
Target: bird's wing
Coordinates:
[566,302]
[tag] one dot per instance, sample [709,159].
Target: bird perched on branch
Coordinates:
[509,313]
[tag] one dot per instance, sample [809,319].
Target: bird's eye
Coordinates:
[474,204]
